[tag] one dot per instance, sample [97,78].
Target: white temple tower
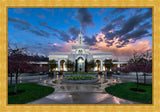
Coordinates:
[80,37]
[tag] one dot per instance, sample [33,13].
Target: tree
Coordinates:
[125,69]
[76,66]
[135,65]
[52,65]
[146,64]
[108,64]
[69,64]
[72,66]
[115,69]
[17,63]
[91,64]
[86,65]
[10,71]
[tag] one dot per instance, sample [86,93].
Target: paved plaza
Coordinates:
[81,98]
[66,93]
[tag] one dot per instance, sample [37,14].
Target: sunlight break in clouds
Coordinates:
[123,53]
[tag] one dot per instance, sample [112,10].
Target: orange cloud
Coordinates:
[123,53]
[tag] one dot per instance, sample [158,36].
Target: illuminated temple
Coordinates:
[80,53]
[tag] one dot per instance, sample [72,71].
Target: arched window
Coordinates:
[80,51]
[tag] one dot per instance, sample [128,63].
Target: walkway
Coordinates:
[81,98]
[80,94]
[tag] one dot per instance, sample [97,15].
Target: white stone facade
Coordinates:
[79,52]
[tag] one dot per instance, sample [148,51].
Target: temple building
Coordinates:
[80,53]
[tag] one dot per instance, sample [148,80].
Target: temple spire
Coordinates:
[80,37]
[80,27]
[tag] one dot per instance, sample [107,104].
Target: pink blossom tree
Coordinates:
[17,63]
[146,64]
[134,65]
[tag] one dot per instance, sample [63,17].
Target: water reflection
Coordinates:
[104,81]
[86,98]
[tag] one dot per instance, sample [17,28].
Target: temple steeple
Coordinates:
[80,37]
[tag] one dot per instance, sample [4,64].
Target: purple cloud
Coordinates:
[84,17]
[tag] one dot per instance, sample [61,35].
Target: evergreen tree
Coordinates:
[70,65]
[76,66]
[108,64]
[86,65]
[91,64]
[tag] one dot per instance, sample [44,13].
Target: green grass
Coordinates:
[82,73]
[32,92]
[123,91]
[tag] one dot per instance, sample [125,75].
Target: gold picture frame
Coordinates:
[5,107]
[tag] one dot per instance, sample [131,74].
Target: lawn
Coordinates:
[123,91]
[31,92]
[82,73]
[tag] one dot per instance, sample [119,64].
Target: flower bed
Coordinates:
[81,73]
[79,77]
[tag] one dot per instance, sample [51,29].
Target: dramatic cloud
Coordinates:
[146,25]
[137,34]
[24,25]
[66,47]
[129,25]
[90,40]
[120,30]
[39,33]
[123,53]
[118,22]
[43,24]
[107,28]
[55,35]
[19,27]
[84,17]
[46,34]
[119,10]
[19,21]
[133,28]
[74,31]
[64,36]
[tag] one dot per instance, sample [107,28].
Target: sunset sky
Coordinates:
[116,30]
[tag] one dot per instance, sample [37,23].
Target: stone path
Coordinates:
[80,94]
[81,98]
